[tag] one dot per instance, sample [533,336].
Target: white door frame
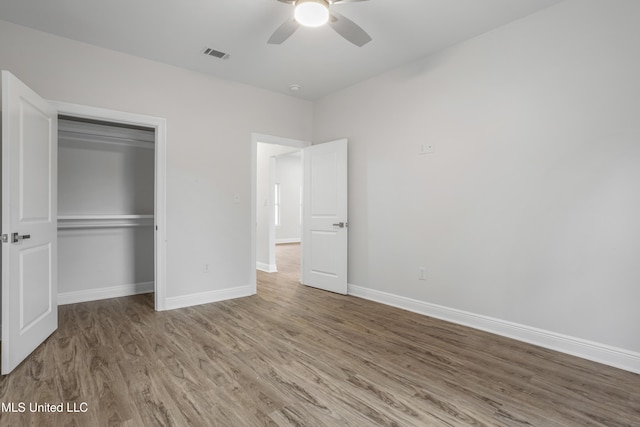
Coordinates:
[160,127]
[267,139]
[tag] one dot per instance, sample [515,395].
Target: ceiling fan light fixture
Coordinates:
[312,13]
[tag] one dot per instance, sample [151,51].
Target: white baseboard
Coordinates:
[601,353]
[290,240]
[173,303]
[105,293]
[269,268]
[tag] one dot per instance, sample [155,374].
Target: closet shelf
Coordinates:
[84,138]
[104,221]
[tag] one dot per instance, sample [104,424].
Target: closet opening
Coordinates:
[106,209]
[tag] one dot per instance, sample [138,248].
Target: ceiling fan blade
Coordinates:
[284,31]
[288,1]
[349,29]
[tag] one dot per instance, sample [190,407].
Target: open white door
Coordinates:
[324,224]
[29,223]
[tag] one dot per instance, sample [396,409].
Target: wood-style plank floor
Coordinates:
[297,356]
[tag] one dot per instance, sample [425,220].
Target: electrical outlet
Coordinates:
[422,273]
[427,148]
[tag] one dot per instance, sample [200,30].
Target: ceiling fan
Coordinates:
[315,13]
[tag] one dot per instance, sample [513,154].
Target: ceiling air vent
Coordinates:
[215,53]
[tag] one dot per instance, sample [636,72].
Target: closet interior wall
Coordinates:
[106,182]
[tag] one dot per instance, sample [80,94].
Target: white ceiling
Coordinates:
[319,60]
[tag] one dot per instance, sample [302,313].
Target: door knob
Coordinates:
[340,224]
[15,237]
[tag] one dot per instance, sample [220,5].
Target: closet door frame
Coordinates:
[160,127]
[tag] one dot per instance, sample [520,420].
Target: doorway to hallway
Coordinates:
[286,280]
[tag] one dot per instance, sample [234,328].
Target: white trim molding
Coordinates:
[105,293]
[173,303]
[267,268]
[287,241]
[597,352]
[159,124]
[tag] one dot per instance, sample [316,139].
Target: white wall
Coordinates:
[1,212]
[527,212]
[265,164]
[288,174]
[209,125]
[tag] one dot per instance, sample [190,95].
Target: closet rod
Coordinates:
[108,217]
[113,225]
